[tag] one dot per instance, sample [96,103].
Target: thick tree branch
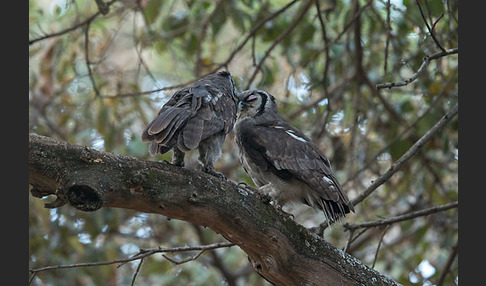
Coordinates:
[282,251]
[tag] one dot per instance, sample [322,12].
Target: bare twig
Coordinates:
[437,98]
[88,63]
[448,265]
[278,40]
[257,27]
[431,30]
[184,260]
[72,28]
[342,33]
[379,244]
[425,63]
[202,34]
[140,255]
[409,154]
[388,34]
[136,272]
[399,218]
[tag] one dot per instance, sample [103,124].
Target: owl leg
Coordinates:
[209,152]
[274,194]
[177,157]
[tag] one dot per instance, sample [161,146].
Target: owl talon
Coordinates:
[265,198]
[177,164]
[286,214]
[246,186]
[210,170]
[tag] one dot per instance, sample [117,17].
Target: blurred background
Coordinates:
[98,79]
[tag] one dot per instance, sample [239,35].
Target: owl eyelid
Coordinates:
[250,98]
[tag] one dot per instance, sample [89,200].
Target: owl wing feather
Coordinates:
[191,115]
[285,150]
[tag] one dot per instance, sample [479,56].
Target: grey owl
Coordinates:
[282,161]
[197,116]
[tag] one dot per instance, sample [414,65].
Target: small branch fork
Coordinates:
[140,255]
[407,156]
[389,221]
[399,218]
[399,163]
[431,30]
[425,63]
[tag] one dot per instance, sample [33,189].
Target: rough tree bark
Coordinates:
[282,251]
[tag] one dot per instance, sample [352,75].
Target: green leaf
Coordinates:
[399,148]
[152,10]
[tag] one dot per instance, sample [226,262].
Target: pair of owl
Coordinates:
[280,159]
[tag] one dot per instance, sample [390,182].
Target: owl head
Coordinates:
[257,103]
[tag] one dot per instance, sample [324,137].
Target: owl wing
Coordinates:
[287,152]
[190,116]
[222,107]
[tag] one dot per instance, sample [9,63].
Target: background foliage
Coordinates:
[97,79]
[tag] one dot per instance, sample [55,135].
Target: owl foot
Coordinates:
[286,214]
[210,170]
[177,164]
[265,197]
[246,186]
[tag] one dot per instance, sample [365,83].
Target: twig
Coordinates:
[136,272]
[409,154]
[425,63]
[202,34]
[255,29]
[379,244]
[32,277]
[437,98]
[431,32]
[388,34]
[141,254]
[184,260]
[399,218]
[88,63]
[350,239]
[325,71]
[448,265]
[253,57]
[342,33]
[278,40]
[74,27]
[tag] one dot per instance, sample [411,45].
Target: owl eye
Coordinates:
[252,97]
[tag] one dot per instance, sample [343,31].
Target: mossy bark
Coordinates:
[282,251]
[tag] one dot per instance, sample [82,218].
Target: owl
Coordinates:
[197,116]
[283,162]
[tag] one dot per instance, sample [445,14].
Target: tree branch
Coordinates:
[425,63]
[75,26]
[398,164]
[399,218]
[279,39]
[279,249]
[140,255]
[431,30]
[409,154]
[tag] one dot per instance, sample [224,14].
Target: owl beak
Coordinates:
[241,105]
